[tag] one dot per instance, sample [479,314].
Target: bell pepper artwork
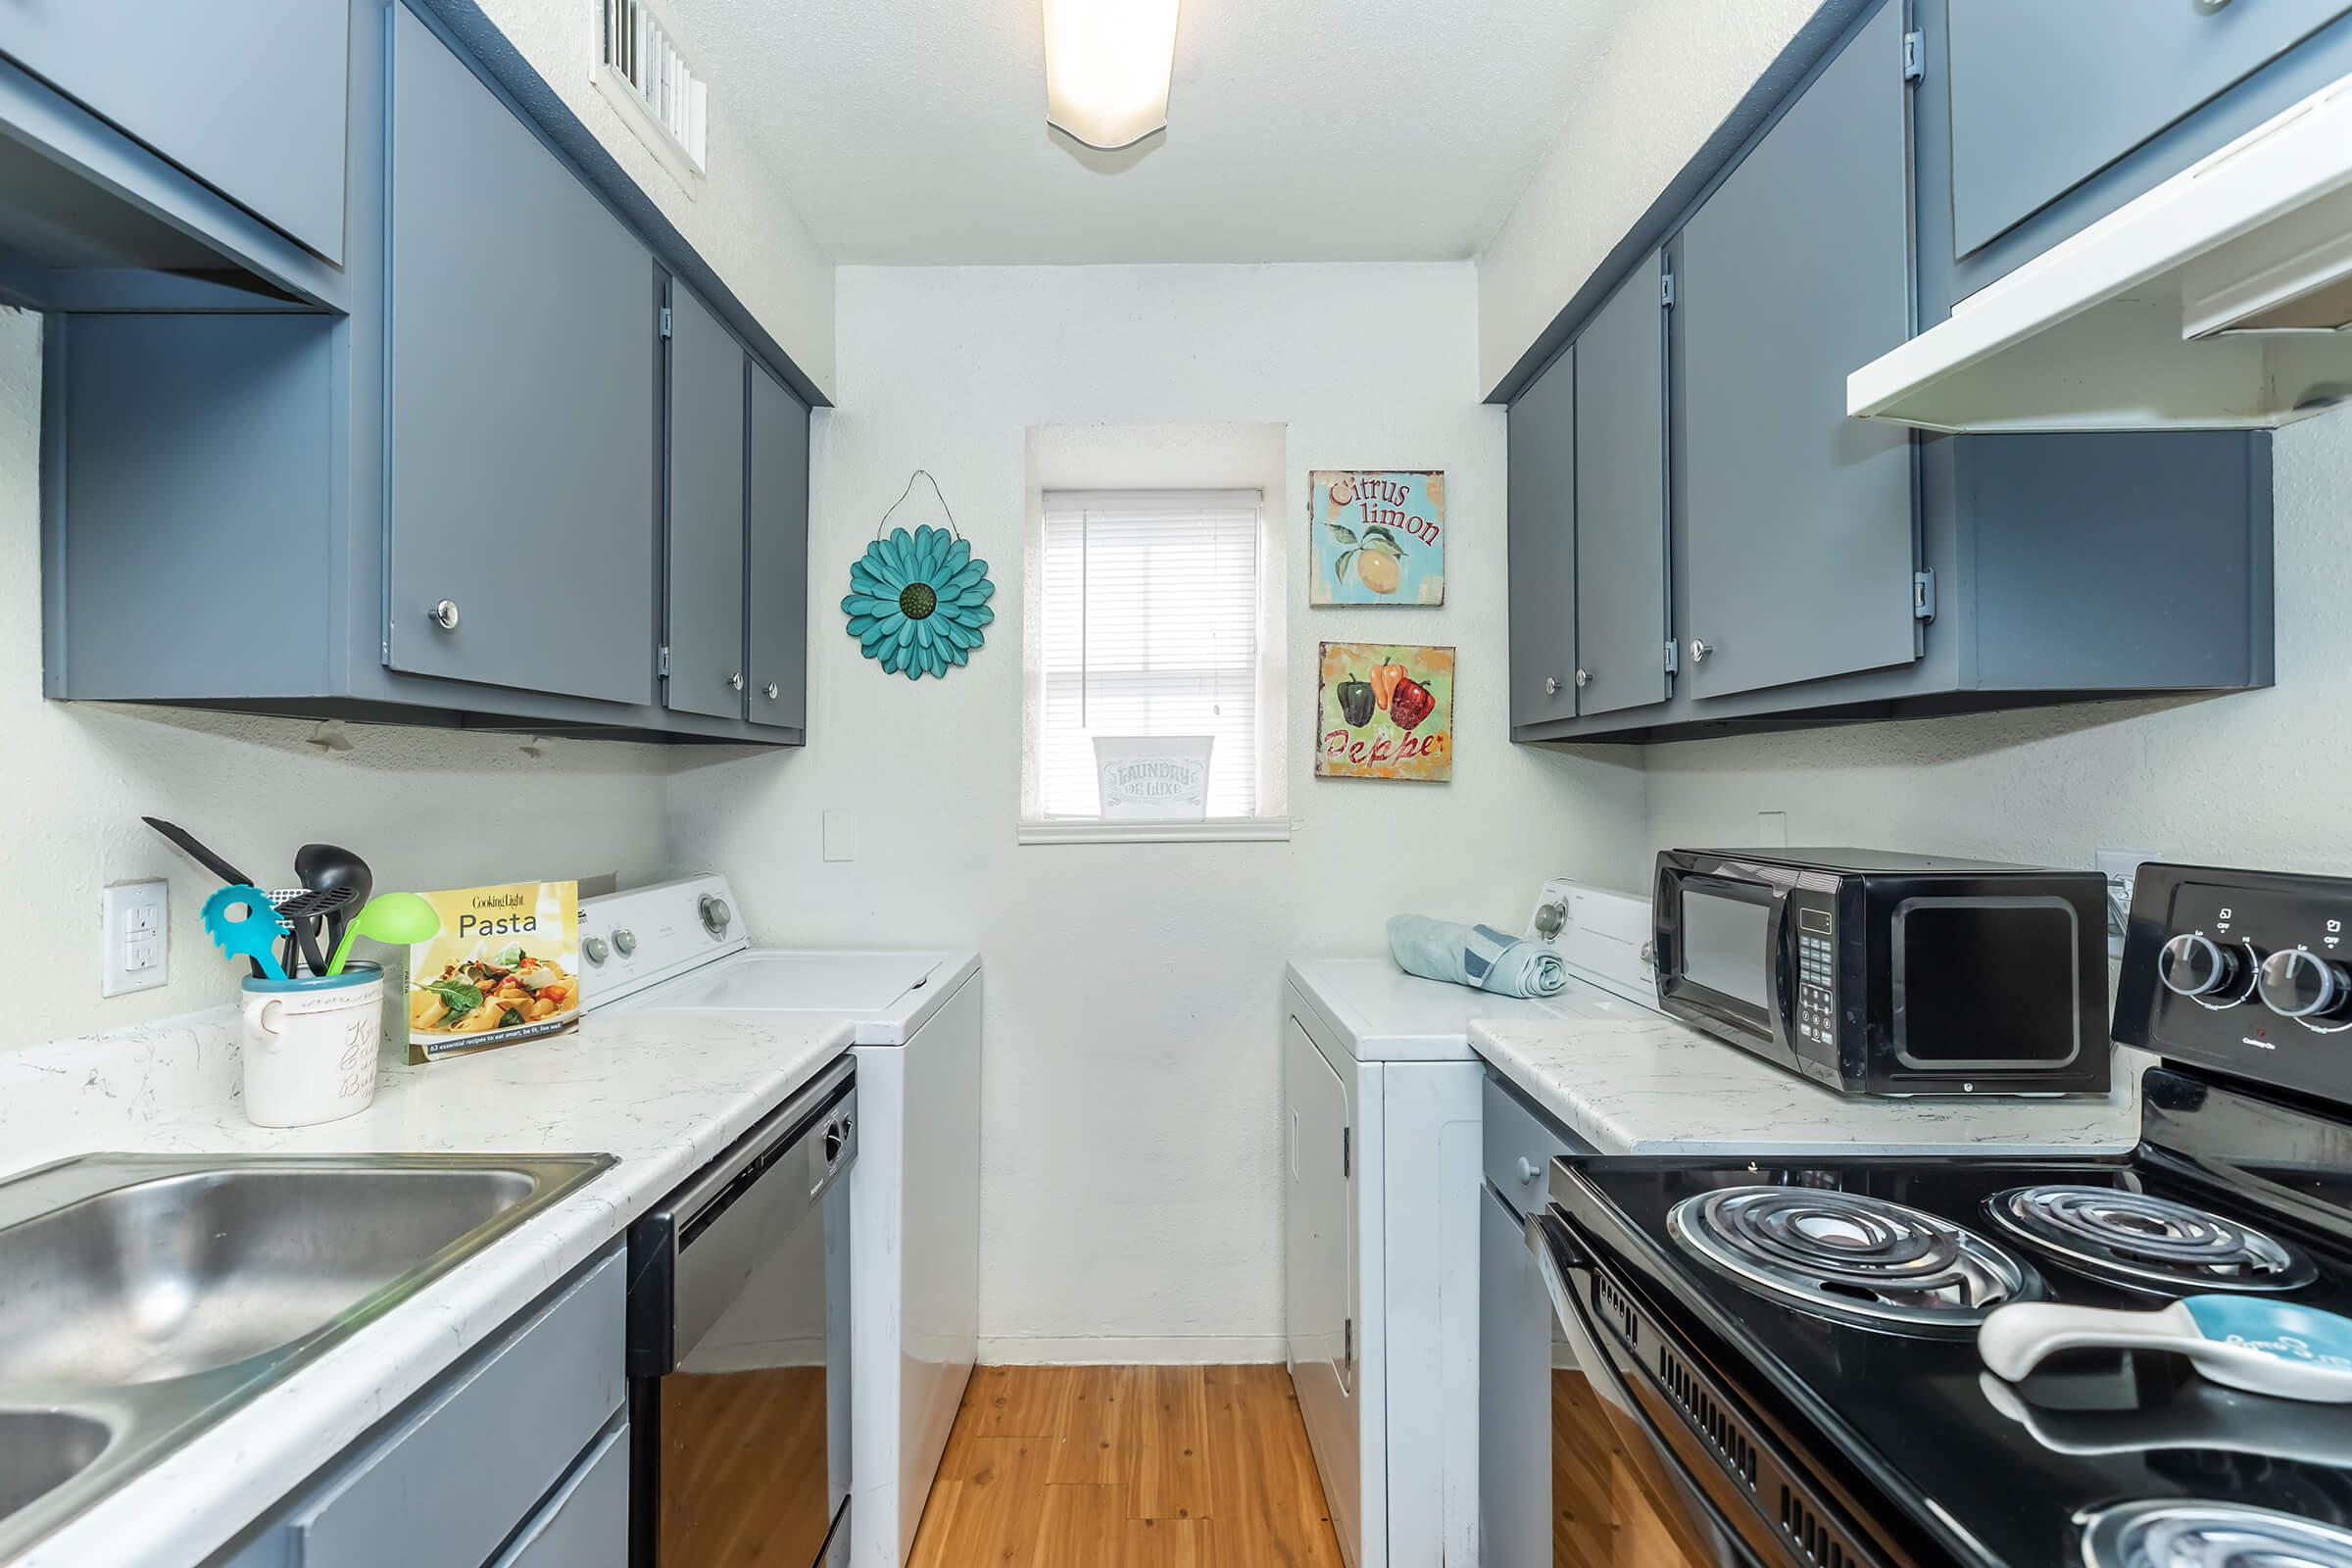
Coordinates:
[1397,724]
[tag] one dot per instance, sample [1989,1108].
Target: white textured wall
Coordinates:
[2258,779]
[1672,71]
[740,219]
[427,808]
[1130,1107]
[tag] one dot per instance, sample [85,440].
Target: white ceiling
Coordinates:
[913,131]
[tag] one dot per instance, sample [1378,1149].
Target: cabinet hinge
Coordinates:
[665,321]
[1923,595]
[1915,63]
[664,671]
[1674,656]
[1347,1152]
[1666,290]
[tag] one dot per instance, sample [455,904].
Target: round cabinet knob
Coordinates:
[769,691]
[1529,1170]
[626,941]
[595,950]
[1584,678]
[2196,966]
[1700,648]
[445,615]
[736,680]
[2297,983]
[716,916]
[1551,685]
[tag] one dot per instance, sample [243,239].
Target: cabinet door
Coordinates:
[707,393]
[2044,96]
[1796,522]
[1543,546]
[521,453]
[1621,624]
[1514,1393]
[778,551]
[250,98]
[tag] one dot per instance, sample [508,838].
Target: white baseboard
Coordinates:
[1201,1349]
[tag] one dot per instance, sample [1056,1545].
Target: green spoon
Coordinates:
[401,919]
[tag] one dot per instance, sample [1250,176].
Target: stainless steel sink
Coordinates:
[144,1296]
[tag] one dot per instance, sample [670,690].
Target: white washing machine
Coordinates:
[915,1193]
[1381,1105]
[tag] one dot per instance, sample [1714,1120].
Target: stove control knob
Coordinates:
[2297,983]
[595,950]
[624,941]
[2196,966]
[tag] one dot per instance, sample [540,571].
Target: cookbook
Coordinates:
[504,968]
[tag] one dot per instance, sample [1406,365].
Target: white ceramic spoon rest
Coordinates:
[2277,1347]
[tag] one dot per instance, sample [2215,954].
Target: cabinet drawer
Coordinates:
[1520,1145]
[586,1522]
[452,1482]
[2044,96]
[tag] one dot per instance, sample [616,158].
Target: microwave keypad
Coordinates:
[1815,994]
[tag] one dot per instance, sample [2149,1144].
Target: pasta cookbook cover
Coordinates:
[503,967]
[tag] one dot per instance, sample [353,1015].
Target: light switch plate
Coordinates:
[134,936]
[1772,830]
[841,836]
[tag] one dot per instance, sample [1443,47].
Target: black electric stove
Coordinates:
[1795,1341]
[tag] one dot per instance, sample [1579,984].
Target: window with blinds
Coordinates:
[1149,606]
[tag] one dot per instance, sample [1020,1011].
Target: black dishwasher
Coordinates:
[739,1348]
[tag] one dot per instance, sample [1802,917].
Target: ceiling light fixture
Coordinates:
[1107,64]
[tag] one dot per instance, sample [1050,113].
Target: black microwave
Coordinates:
[1872,972]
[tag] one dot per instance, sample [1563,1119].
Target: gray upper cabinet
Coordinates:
[521,444]
[2044,96]
[1797,520]
[1543,546]
[776,554]
[248,97]
[1621,624]
[706,420]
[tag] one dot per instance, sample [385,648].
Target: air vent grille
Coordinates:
[1821,1542]
[640,55]
[1709,1417]
[1612,1301]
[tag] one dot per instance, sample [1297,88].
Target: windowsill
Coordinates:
[1099,830]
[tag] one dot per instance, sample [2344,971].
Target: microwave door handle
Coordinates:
[1783,991]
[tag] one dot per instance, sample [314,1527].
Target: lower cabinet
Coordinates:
[519,1457]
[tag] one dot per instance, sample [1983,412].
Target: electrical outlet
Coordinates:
[134,931]
[841,836]
[2120,868]
[1772,830]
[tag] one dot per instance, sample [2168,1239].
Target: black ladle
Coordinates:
[330,868]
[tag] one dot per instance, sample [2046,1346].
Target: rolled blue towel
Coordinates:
[1476,956]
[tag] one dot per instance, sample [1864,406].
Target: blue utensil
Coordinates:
[2266,1347]
[242,924]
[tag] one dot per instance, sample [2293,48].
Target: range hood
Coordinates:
[2221,299]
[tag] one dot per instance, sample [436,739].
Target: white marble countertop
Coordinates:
[1647,1084]
[663,1092]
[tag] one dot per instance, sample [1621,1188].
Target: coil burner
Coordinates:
[2172,1533]
[1853,1258]
[2148,1243]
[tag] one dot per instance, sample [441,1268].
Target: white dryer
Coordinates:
[1381,1171]
[914,1259]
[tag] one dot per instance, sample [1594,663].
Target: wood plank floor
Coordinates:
[1127,1467]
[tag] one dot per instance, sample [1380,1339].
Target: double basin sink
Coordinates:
[145,1296]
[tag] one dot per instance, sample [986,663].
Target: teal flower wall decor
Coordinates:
[918,601]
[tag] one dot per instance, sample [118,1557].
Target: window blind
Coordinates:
[1149,620]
